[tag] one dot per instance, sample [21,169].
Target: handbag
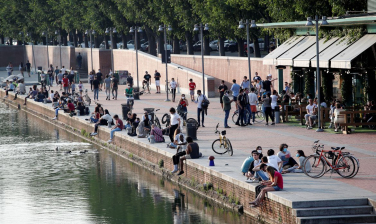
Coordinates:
[258,189]
[205,102]
[163,139]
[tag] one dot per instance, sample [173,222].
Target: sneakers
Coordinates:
[266,124]
[180,173]
[309,127]
[273,123]
[174,171]
[109,141]
[93,134]
[54,118]
[252,181]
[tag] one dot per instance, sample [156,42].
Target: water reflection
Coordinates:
[41,185]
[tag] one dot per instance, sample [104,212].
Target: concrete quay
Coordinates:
[330,199]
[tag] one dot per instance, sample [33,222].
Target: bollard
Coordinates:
[211,163]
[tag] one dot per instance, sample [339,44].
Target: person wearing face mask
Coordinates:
[182,106]
[247,162]
[298,168]
[285,156]
[129,94]
[227,107]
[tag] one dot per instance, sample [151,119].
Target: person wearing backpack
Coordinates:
[202,105]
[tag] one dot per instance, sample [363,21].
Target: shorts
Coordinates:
[276,188]
[188,156]
[235,98]
[192,92]
[157,83]
[253,108]
[101,81]
[28,70]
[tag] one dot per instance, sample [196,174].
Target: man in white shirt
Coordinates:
[274,160]
[253,102]
[173,89]
[174,123]
[63,69]
[311,113]
[200,110]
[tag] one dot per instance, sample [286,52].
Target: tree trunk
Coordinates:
[86,39]
[19,42]
[160,44]
[105,37]
[240,47]
[176,46]
[152,48]
[44,40]
[1,39]
[221,46]
[96,42]
[206,45]
[64,37]
[124,40]
[256,50]
[75,42]
[189,42]
[114,41]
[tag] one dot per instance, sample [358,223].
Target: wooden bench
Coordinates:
[286,113]
[349,119]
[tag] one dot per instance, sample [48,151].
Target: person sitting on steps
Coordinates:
[104,120]
[192,152]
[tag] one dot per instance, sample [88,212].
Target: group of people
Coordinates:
[22,68]
[98,82]
[267,170]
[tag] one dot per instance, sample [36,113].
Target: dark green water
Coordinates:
[40,185]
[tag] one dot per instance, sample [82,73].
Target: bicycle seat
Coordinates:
[335,148]
[157,110]
[342,147]
[223,132]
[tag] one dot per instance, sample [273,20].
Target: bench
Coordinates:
[286,113]
[349,119]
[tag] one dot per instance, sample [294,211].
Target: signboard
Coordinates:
[164,57]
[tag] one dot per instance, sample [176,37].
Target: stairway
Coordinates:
[83,74]
[334,211]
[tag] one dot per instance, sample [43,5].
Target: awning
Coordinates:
[270,59]
[288,56]
[304,59]
[330,52]
[343,60]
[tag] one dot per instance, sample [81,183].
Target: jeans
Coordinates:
[184,109]
[268,113]
[9,73]
[94,120]
[241,116]
[51,81]
[261,174]
[116,93]
[294,170]
[202,112]
[112,132]
[227,113]
[57,112]
[96,92]
[173,93]
[66,89]
[91,85]
[247,120]
[172,131]
[108,92]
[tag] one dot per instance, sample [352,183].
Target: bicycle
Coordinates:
[259,115]
[146,87]
[166,119]
[223,144]
[343,163]
[154,118]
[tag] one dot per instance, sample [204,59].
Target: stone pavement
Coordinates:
[28,80]
[298,187]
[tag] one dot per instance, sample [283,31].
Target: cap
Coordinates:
[269,75]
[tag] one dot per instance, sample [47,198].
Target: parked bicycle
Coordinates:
[343,163]
[259,115]
[154,118]
[223,144]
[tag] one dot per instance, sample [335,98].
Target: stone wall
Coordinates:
[225,188]
[13,54]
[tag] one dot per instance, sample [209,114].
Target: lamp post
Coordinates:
[318,77]
[23,42]
[59,36]
[163,28]
[200,27]
[91,32]
[32,49]
[111,31]
[136,30]
[45,33]
[241,26]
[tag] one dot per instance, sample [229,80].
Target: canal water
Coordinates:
[41,185]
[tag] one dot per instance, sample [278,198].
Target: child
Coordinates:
[80,88]
[73,86]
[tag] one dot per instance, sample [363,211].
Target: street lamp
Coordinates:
[163,28]
[48,57]
[91,47]
[241,26]
[23,42]
[200,27]
[136,30]
[318,79]
[111,31]
[32,49]
[59,36]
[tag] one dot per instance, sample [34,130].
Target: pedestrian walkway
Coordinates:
[245,139]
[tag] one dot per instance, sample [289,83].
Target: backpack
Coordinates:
[205,102]
[258,189]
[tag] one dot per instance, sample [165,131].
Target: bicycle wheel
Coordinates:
[346,167]
[156,120]
[259,116]
[219,147]
[192,120]
[229,147]
[165,118]
[314,166]
[235,117]
[356,165]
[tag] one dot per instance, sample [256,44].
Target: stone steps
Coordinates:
[334,211]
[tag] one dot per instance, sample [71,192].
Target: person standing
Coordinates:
[268,108]
[43,79]
[235,92]
[241,101]
[96,87]
[63,69]
[22,69]
[28,67]
[115,86]
[107,85]
[274,102]
[79,60]
[51,77]
[147,80]
[118,127]
[183,103]
[257,77]
[173,85]
[100,79]
[227,107]
[157,77]
[192,88]
[56,71]
[247,120]
[91,79]
[9,69]
[245,83]
[175,123]
[66,84]
[200,109]
[253,103]
[130,80]
[267,84]
[287,87]
[222,89]
[80,88]
[60,77]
